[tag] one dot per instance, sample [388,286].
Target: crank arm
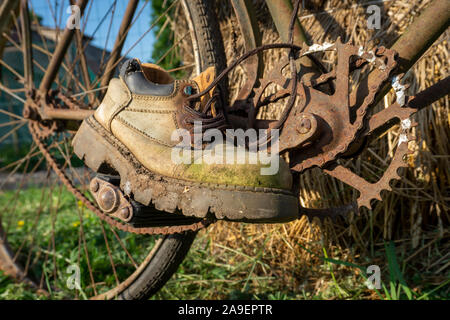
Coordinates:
[387,118]
[331,213]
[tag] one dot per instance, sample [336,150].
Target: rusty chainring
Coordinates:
[323,127]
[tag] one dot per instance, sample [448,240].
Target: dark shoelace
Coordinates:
[220,121]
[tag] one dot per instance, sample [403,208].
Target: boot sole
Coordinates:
[105,154]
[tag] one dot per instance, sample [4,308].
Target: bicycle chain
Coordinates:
[34,129]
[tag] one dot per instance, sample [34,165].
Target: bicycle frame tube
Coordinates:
[58,56]
[281,12]
[245,14]
[410,46]
[120,40]
[26,44]
[429,26]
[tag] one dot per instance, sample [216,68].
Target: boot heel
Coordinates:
[90,147]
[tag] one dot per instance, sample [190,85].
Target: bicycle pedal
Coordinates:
[110,198]
[113,202]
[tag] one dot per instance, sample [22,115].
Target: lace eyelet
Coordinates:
[188,90]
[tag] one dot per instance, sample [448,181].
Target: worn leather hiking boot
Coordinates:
[131,135]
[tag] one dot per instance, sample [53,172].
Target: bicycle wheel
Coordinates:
[49,238]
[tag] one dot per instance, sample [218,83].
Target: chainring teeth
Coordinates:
[399,160]
[372,191]
[384,59]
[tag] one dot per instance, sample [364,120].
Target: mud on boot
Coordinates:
[130,135]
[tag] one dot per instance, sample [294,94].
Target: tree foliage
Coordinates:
[164,35]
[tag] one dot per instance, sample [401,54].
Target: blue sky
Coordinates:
[98,10]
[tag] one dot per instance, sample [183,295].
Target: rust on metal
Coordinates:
[26,45]
[337,125]
[433,21]
[111,200]
[332,111]
[431,94]
[58,56]
[386,118]
[369,191]
[299,129]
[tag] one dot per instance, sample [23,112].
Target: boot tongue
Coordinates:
[203,80]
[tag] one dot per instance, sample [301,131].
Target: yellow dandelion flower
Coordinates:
[20,223]
[76,224]
[80,204]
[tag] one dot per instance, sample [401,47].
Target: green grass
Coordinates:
[19,218]
[210,271]
[210,276]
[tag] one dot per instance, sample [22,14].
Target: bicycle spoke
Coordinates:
[104,78]
[39,30]
[59,54]
[188,66]
[16,164]
[81,94]
[16,25]
[111,260]
[88,42]
[8,67]
[123,247]
[26,45]
[11,123]
[12,131]
[88,261]
[50,7]
[120,40]
[34,225]
[171,48]
[33,229]
[113,6]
